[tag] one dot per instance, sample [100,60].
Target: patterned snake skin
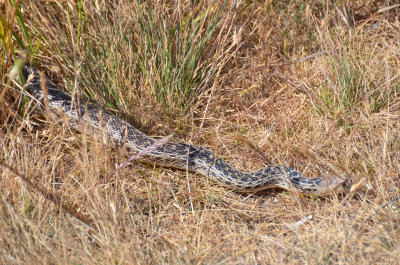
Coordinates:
[178,155]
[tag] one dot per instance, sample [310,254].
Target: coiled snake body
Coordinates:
[178,155]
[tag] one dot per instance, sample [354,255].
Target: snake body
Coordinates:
[178,155]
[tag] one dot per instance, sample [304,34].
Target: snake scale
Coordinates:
[178,155]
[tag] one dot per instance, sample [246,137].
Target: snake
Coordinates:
[75,112]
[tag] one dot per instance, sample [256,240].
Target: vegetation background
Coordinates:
[312,84]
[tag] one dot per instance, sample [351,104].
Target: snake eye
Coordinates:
[347,183]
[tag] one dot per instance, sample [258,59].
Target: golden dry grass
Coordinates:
[315,86]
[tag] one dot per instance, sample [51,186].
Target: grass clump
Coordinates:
[123,53]
[355,78]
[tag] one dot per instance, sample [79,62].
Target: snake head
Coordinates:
[331,184]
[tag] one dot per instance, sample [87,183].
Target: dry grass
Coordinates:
[315,86]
